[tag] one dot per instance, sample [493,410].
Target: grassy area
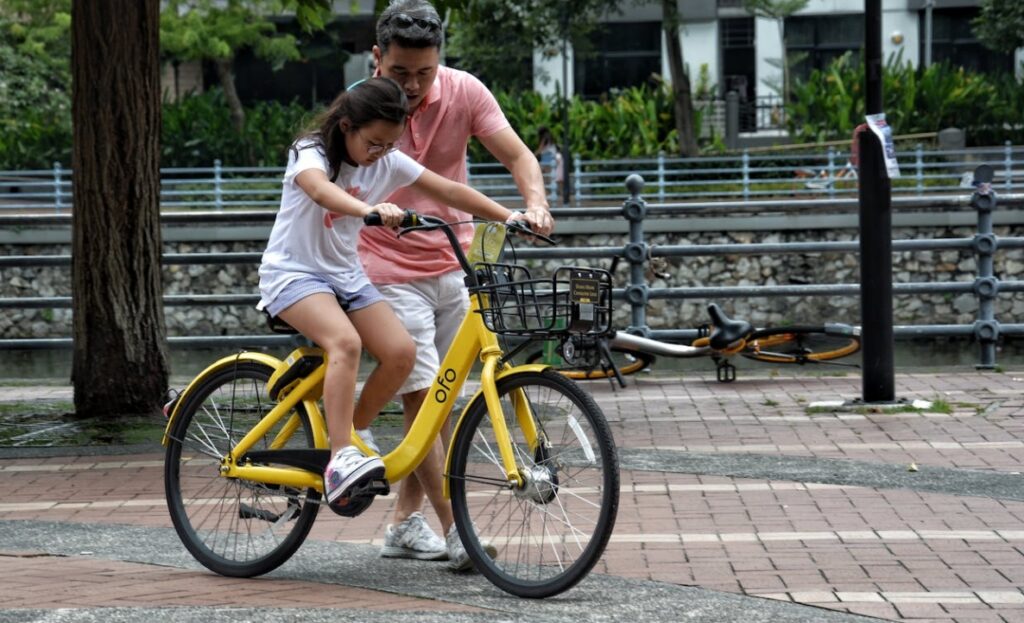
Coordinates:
[38,423]
[937,406]
[53,423]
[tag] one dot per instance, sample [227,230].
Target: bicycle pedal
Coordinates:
[358,497]
[726,373]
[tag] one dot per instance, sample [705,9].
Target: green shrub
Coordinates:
[35,113]
[627,123]
[830,102]
[197,130]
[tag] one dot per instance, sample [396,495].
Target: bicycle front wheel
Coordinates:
[234,527]
[550,530]
[802,344]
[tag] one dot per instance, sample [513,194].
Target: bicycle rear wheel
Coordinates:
[802,344]
[627,361]
[234,527]
[552,529]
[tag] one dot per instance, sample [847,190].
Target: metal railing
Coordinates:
[744,175]
[637,293]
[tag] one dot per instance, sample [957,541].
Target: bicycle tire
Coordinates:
[627,360]
[551,532]
[801,344]
[233,527]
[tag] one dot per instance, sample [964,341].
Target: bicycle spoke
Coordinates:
[550,529]
[233,526]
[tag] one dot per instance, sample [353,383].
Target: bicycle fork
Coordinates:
[523,413]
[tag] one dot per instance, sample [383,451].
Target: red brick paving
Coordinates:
[895,554]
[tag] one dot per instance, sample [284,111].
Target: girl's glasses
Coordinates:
[373,149]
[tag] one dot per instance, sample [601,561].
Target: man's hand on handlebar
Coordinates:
[540,220]
[525,225]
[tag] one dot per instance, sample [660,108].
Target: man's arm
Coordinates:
[510,150]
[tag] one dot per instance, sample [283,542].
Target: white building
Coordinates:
[740,52]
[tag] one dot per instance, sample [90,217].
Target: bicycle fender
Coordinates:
[479,396]
[215,367]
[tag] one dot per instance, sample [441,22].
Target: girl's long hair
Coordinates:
[368,101]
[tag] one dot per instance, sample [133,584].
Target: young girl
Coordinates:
[311,276]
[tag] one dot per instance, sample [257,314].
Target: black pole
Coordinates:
[875,230]
[566,142]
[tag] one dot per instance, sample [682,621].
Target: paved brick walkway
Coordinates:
[742,488]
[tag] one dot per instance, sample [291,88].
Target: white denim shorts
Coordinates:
[300,288]
[431,310]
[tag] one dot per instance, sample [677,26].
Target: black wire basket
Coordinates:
[574,300]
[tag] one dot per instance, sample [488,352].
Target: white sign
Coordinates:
[884,133]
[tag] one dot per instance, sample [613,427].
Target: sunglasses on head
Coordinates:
[407,21]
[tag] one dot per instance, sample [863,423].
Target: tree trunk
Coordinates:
[226,75]
[680,81]
[120,362]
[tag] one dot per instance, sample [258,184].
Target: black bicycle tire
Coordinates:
[641,361]
[848,344]
[180,518]
[462,446]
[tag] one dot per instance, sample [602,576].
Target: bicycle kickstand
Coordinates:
[606,354]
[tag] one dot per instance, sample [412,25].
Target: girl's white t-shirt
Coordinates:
[308,239]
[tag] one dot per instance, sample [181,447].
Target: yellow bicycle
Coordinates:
[531,469]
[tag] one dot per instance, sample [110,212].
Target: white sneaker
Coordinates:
[348,467]
[413,538]
[458,558]
[367,436]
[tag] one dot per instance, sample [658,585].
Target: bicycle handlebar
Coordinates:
[412,221]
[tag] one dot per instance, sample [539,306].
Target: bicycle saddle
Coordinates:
[726,330]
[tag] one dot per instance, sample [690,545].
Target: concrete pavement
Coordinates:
[740,502]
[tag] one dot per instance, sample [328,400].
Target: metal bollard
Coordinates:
[986,286]
[634,209]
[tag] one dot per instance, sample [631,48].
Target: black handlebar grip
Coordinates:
[411,219]
[523,226]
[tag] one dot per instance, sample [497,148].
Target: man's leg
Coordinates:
[427,479]
[410,536]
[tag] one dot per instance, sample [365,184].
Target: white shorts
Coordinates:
[432,310]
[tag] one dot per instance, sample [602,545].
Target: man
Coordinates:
[418,274]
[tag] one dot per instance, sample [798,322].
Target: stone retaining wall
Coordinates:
[749,270]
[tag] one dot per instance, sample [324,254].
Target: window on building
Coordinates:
[621,55]
[954,41]
[739,66]
[822,38]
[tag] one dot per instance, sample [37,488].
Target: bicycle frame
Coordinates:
[472,340]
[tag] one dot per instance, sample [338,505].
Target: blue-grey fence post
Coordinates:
[576,184]
[986,286]
[746,174]
[831,168]
[1008,160]
[635,252]
[919,167]
[661,176]
[57,203]
[218,191]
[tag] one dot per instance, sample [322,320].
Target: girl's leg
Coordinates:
[320,318]
[386,339]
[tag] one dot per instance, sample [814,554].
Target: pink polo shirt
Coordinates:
[457,107]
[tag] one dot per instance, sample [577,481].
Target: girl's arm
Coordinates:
[460,196]
[325,193]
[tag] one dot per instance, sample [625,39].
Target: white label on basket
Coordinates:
[584,442]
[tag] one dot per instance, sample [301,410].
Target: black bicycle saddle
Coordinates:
[726,330]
